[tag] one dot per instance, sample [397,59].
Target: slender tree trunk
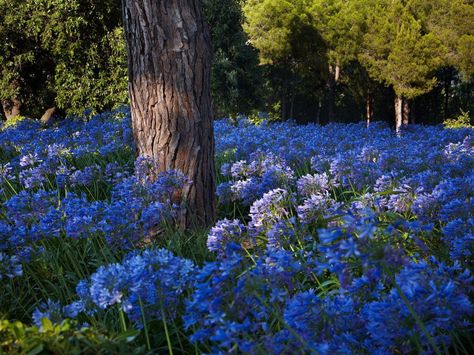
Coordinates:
[292,106]
[318,112]
[406,112]
[334,73]
[447,91]
[169,65]
[398,112]
[283,103]
[11,108]
[369,107]
[412,117]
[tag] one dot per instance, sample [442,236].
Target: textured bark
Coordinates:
[11,108]
[283,103]
[169,59]
[406,112]
[318,112]
[292,106]
[398,112]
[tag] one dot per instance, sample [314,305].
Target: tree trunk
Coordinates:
[292,106]
[412,117]
[398,112]
[369,107]
[11,108]
[447,91]
[318,112]
[169,62]
[48,116]
[334,72]
[406,112]
[283,104]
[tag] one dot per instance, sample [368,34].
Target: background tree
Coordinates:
[68,54]
[289,46]
[398,53]
[23,61]
[342,24]
[169,63]
[311,60]
[452,21]
[94,74]
[236,77]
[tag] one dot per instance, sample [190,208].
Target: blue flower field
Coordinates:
[338,239]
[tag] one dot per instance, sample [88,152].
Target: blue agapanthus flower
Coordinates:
[147,285]
[223,233]
[10,266]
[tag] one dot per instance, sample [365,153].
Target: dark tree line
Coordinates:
[310,60]
[377,59]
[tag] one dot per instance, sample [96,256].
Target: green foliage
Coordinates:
[61,53]
[398,52]
[283,32]
[270,27]
[64,338]
[461,121]
[12,122]
[257,118]
[452,21]
[342,24]
[290,48]
[72,55]
[103,77]
[236,77]
[465,61]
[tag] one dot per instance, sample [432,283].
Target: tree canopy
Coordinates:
[311,60]
[68,54]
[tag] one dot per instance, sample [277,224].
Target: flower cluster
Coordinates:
[236,302]
[145,286]
[367,214]
[10,266]
[78,152]
[223,233]
[250,181]
[136,211]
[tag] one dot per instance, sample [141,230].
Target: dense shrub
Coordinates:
[63,338]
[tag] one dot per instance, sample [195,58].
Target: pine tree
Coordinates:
[289,46]
[398,53]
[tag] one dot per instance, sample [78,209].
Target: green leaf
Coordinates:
[128,336]
[36,350]
[47,325]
